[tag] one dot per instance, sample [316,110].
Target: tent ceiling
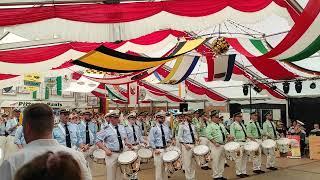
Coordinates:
[233,89]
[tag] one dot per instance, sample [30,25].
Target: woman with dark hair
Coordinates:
[50,166]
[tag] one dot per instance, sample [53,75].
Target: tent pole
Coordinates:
[250,98]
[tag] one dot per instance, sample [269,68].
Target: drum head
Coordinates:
[174,148]
[201,150]
[170,156]
[269,143]
[251,146]
[283,141]
[99,154]
[232,146]
[145,153]
[127,157]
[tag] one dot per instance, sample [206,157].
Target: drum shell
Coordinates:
[131,167]
[234,152]
[99,159]
[203,157]
[252,150]
[174,164]
[269,148]
[144,151]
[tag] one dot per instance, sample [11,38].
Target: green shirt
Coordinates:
[196,123]
[268,130]
[175,128]
[203,127]
[253,129]
[213,132]
[237,132]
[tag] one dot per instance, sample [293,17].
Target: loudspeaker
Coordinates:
[183,107]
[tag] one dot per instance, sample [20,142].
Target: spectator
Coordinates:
[50,166]
[38,122]
[316,130]
[281,129]
[292,127]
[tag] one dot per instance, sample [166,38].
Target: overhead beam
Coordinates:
[31,44]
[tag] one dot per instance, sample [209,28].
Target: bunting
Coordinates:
[199,91]
[301,42]
[133,91]
[223,67]
[181,70]
[113,93]
[109,60]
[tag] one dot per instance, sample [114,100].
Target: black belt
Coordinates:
[117,151]
[161,147]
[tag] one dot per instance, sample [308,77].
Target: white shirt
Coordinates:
[36,148]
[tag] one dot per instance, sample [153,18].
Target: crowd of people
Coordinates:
[47,147]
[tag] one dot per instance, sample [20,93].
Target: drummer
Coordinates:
[159,139]
[254,132]
[238,131]
[203,124]
[144,124]
[269,130]
[133,132]
[218,136]
[187,136]
[12,124]
[66,133]
[88,133]
[113,140]
[19,138]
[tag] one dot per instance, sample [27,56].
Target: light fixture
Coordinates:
[313,85]
[111,2]
[286,87]
[257,89]
[245,89]
[298,86]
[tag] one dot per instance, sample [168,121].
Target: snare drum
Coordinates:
[201,153]
[251,149]
[99,156]
[145,155]
[129,163]
[269,146]
[283,145]
[172,160]
[232,150]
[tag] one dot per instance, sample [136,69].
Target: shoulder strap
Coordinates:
[62,129]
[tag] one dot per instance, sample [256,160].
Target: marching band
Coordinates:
[190,139]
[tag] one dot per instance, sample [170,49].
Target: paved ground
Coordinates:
[289,169]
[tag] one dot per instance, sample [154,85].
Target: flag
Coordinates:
[133,91]
[59,85]
[223,67]
[34,95]
[47,93]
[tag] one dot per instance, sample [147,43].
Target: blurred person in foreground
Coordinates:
[50,166]
[38,122]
